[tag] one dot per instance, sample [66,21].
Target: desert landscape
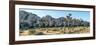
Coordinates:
[32,24]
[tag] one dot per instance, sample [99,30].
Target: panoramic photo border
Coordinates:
[38,37]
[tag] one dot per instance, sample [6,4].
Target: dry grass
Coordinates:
[55,30]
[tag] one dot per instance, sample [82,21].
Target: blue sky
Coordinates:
[85,15]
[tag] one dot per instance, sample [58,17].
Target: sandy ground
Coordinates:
[55,30]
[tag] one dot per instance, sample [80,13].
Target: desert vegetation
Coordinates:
[31,24]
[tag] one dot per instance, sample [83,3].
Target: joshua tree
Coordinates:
[69,19]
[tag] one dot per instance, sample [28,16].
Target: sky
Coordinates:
[84,15]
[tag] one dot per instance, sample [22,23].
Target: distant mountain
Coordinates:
[28,19]
[32,20]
